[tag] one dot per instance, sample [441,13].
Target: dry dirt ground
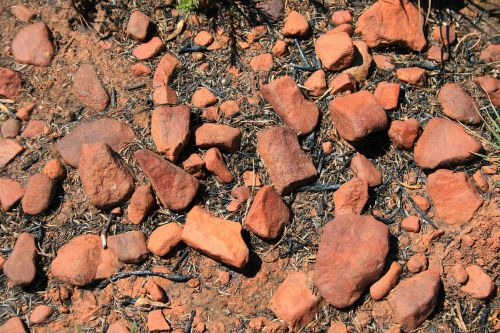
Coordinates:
[245,297]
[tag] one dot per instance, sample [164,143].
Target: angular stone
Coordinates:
[411,223]
[114,133]
[288,102]
[23,13]
[384,285]
[164,238]
[491,86]
[214,162]
[32,45]
[9,149]
[20,268]
[141,203]
[224,137]
[295,25]
[412,75]
[444,34]
[459,273]
[490,53]
[10,193]
[404,133]
[140,70]
[40,314]
[347,28]
[38,194]
[129,247]
[351,256]
[55,170]
[417,263]
[148,50]
[203,98]
[336,51]
[262,62]
[165,71]
[287,164]
[170,129]
[174,187]
[138,25]
[157,322]
[479,285]
[387,95]
[459,105]
[105,177]
[118,327]
[165,95]
[316,83]
[454,196]
[217,238]
[362,168]
[438,54]
[194,165]
[13,325]
[361,63]
[351,197]
[230,108]
[341,17]
[271,9]
[280,48]
[88,88]
[342,83]
[268,214]
[203,38]
[445,143]
[10,83]
[383,62]
[35,128]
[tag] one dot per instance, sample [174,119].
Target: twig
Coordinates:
[216,92]
[135,86]
[113,97]
[424,216]
[191,48]
[318,188]
[171,277]
[302,54]
[105,231]
[303,68]
[181,260]
[189,324]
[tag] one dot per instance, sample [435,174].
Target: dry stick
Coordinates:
[135,86]
[105,231]
[318,188]
[171,277]
[189,324]
[424,216]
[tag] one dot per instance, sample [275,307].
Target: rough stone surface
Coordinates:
[194,165]
[387,95]
[32,45]
[412,75]
[384,285]
[88,88]
[342,83]
[444,34]
[490,53]
[35,128]
[459,273]
[55,170]
[479,285]
[170,129]
[203,38]
[203,98]
[148,50]
[383,62]
[214,162]
[316,83]
[295,25]
[141,203]
[459,105]
[157,322]
[166,69]
[20,268]
[491,87]
[417,263]
[38,194]
[335,51]
[361,63]
[262,62]
[9,149]
[411,223]
[11,192]
[224,137]
[118,327]
[13,325]
[438,54]
[138,25]
[404,133]
[23,13]
[362,168]
[164,238]
[165,95]
[40,314]
[351,197]
[129,247]
[10,83]
[341,17]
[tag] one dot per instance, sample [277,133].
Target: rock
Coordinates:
[10,83]
[214,162]
[165,95]
[129,247]
[454,196]
[479,285]
[404,133]
[164,238]
[83,260]
[40,314]
[480,180]
[251,179]
[140,70]
[327,147]
[155,291]
[118,327]
[262,62]
[13,325]
[141,203]
[357,115]
[414,299]
[387,95]
[38,194]
[288,102]
[279,49]
[362,168]
[34,128]
[412,75]
[444,34]
[384,285]
[170,129]
[341,17]
[24,112]
[361,63]
[272,9]
[217,238]
[411,223]
[268,214]
[459,273]
[11,128]
[138,26]
[23,13]
[166,69]
[241,193]
[392,22]
[383,62]
[88,88]
[106,179]
[10,193]
[114,133]
[294,301]
[224,137]
[445,143]
[55,170]
[203,38]
[157,322]
[490,53]
[457,104]
[351,197]
[316,83]
[417,263]
[203,98]
[32,45]
[335,51]
[174,187]
[438,54]
[342,83]
[20,268]
[9,149]
[148,50]
[351,256]
[230,108]
[491,86]
[287,164]
[347,28]
[194,165]
[295,25]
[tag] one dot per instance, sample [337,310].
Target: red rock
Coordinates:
[444,143]
[351,256]
[118,327]
[411,223]
[459,273]
[194,165]
[211,113]
[272,9]
[11,128]
[32,45]
[83,260]
[268,214]
[35,128]
[141,203]
[262,62]
[287,164]
[357,115]
[174,187]
[165,71]
[387,95]
[412,75]
[459,105]
[88,88]
[241,193]
[114,133]
[294,301]
[351,197]
[384,285]
[337,327]
[38,194]
[140,70]
[336,51]
[279,49]
[480,180]
[203,98]
[295,25]
[491,86]
[129,247]
[24,113]
[404,133]
[342,83]
[23,13]
[10,193]
[479,285]
[362,62]
[454,196]
[217,238]
[490,53]
[9,149]
[417,263]
[362,168]
[10,83]
[489,169]
[383,62]
[316,83]
[165,95]
[214,162]
[347,28]
[155,291]
[224,137]
[251,179]
[230,108]
[444,34]
[392,22]
[327,147]
[13,325]
[164,238]
[106,179]
[288,102]
[341,17]
[157,322]
[40,314]
[55,170]
[170,130]
[438,54]
[203,38]
[148,50]
[421,202]
[138,25]
[20,268]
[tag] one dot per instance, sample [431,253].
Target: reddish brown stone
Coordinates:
[230,108]
[10,83]
[170,129]
[203,38]
[421,202]
[383,286]
[165,95]
[490,53]
[383,62]
[10,193]
[20,268]
[24,112]
[387,95]
[280,48]
[194,165]
[224,137]
[141,203]
[32,45]
[351,197]
[295,25]
[118,327]
[9,149]
[13,325]
[362,62]
[165,71]
[149,49]
[480,180]
[316,83]
[444,34]
[55,170]
[11,128]
[34,128]
[129,247]
[164,238]
[342,83]
[491,86]
[88,88]
[203,98]
[140,70]
[38,194]
[262,62]
[40,314]
[214,162]
[347,28]
[411,223]
[412,75]
[157,322]
[336,51]
[211,113]
[138,25]
[438,54]
[251,179]
[459,105]
[341,17]
[23,13]
[479,285]
[417,263]
[365,170]
[404,133]
[459,273]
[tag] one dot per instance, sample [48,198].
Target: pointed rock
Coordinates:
[362,168]
[88,88]
[351,197]
[20,268]
[335,51]
[170,129]
[141,203]
[165,71]
[32,45]
[9,149]
[214,162]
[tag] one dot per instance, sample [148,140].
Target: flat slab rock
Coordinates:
[288,102]
[170,129]
[286,162]
[9,149]
[10,83]
[10,193]
[88,88]
[351,256]
[32,45]
[20,268]
[114,133]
